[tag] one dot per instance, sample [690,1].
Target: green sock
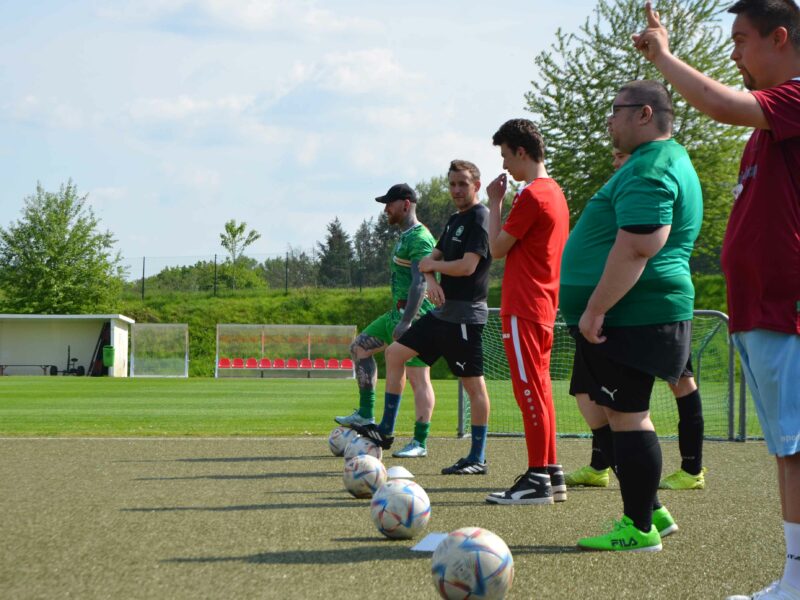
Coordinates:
[421,432]
[366,403]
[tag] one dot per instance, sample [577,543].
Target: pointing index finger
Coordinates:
[652,16]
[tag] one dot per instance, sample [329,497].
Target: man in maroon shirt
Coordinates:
[761,251]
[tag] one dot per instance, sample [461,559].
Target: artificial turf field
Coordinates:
[242,517]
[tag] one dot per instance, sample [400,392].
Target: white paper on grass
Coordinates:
[429,542]
[399,472]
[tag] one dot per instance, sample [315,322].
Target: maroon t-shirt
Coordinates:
[761,250]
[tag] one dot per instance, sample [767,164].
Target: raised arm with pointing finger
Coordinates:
[761,251]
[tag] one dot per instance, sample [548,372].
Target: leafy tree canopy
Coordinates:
[580,75]
[55,260]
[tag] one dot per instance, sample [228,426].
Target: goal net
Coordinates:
[712,360]
[160,350]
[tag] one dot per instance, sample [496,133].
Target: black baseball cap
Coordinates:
[400,191]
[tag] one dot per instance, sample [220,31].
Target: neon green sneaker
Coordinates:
[588,476]
[624,537]
[664,522]
[681,480]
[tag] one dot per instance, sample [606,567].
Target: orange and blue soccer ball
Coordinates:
[362,445]
[472,563]
[339,438]
[363,475]
[400,509]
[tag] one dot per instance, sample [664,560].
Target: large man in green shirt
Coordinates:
[408,303]
[627,295]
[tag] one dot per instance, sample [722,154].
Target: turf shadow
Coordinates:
[277,506]
[377,552]
[544,549]
[232,459]
[292,475]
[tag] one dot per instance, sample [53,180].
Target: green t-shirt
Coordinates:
[414,244]
[656,186]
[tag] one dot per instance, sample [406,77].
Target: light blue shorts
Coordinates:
[771,365]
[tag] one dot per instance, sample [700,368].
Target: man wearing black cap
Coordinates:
[453,330]
[408,302]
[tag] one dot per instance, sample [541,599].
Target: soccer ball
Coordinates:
[472,563]
[339,438]
[400,509]
[362,445]
[363,475]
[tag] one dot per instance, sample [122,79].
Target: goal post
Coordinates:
[712,359]
[160,350]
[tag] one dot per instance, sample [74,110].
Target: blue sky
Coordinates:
[177,115]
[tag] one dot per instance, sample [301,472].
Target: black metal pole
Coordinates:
[215,274]
[286,277]
[143,260]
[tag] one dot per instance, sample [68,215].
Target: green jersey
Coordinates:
[656,186]
[414,244]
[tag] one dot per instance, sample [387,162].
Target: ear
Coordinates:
[780,37]
[521,152]
[646,115]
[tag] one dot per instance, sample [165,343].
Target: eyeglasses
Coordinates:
[615,108]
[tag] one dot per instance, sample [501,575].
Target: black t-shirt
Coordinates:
[465,297]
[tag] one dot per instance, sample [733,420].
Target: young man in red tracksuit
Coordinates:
[531,240]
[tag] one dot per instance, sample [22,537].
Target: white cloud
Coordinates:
[183,107]
[49,113]
[194,177]
[363,71]
[241,15]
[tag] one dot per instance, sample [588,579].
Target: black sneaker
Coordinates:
[557,483]
[529,488]
[371,432]
[466,467]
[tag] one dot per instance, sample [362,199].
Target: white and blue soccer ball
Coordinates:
[362,445]
[472,563]
[339,438]
[400,509]
[363,475]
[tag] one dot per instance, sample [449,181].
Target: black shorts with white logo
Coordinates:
[620,372]
[460,344]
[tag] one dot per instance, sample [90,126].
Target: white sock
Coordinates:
[791,570]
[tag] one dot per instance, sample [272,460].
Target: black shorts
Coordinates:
[620,372]
[460,344]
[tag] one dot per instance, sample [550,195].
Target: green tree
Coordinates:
[235,240]
[579,76]
[55,259]
[336,257]
[434,205]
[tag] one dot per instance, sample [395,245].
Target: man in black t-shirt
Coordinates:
[454,328]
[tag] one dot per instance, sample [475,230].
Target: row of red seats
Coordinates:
[279,363]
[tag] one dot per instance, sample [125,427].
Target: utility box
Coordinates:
[108,356]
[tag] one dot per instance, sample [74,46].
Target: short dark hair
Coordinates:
[654,95]
[465,165]
[767,15]
[521,133]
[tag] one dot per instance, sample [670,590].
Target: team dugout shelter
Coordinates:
[267,351]
[64,344]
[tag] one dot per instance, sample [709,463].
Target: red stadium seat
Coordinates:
[224,363]
[305,363]
[238,363]
[265,363]
[292,363]
[319,363]
[346,364]
[333,363]
[251,363]
[278,363]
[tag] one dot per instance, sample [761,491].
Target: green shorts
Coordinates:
[383,327]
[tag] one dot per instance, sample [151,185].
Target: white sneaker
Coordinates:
[354,419]
[413,450]
[774,591]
